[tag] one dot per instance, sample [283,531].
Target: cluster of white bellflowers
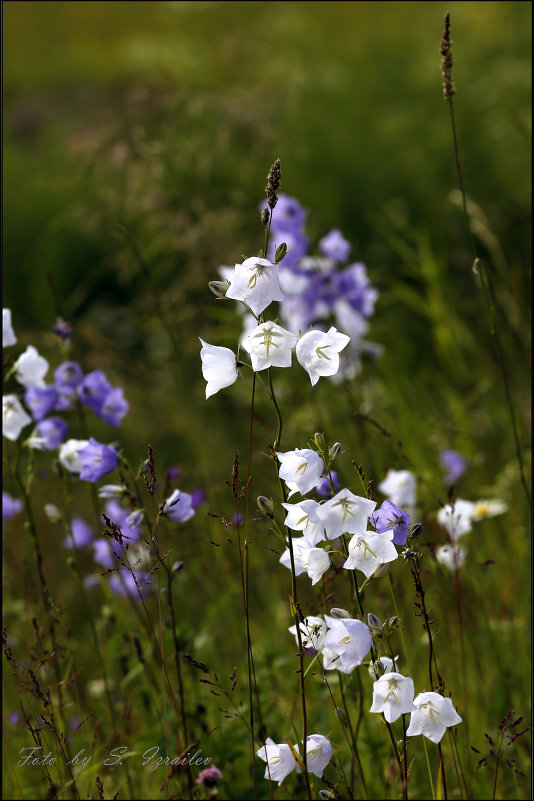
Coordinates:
[342,642]
[255,283]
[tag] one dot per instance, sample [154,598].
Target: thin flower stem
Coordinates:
[443,779]
[294,601]
[356,755]
[429,770]
[245,570]
[353,753]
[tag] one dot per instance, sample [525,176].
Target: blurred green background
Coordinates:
[145,130]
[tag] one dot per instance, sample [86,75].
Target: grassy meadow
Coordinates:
[137,140]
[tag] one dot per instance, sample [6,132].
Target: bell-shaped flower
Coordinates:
[10,506]
[318,352]
[389,516]
[457,518]
[301,469]
[48,434]
[179,506]
[345,513]
[335,246]
[93,390]
[219,367]
[31,368]
[454,463]
[14,417]
[399,486]
[67,377]
[270,345]
[318,754]
[280,761]
[433,715]
[68,454]
[302,517]
[81,534]
[40,400]
[370,550]
[312,633]
[350,639]
[313,561]
[8,335]
[255,282]
[114,407]
[393,696]
[97,460]
[451,556]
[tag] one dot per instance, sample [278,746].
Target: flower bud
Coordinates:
[219,288]
[417,529]
[327,794]
[379,669]
[381,570]
[339,613]
[266,506]
[318,439]
[374,623]
[334,451]
[53,513]
[177,566]
[280,252]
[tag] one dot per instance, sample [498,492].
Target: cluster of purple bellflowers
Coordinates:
[322,289]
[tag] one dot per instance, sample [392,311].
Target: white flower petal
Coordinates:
[218,367]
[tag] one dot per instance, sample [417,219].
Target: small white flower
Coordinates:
[345,513]
[313,561]
[318,352]
[135,518]
[14,417]
[457,518]
[8,335]
[318,754]
[312,632]
[451,556]
[31,368]
[393,696]
[350,639]
[270,345]
[111,491]
[301,469]
[488,508]
[370,550]
[302,517]
[219,367]
[53,513]
[280,760]
[68,454]
[255,282]
[433,715]
[399,486]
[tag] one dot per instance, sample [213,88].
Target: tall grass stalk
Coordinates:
[478,264]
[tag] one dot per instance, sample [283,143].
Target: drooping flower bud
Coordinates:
[266,506]
[219,288]
[339,613]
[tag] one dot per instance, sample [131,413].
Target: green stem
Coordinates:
[294,601]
